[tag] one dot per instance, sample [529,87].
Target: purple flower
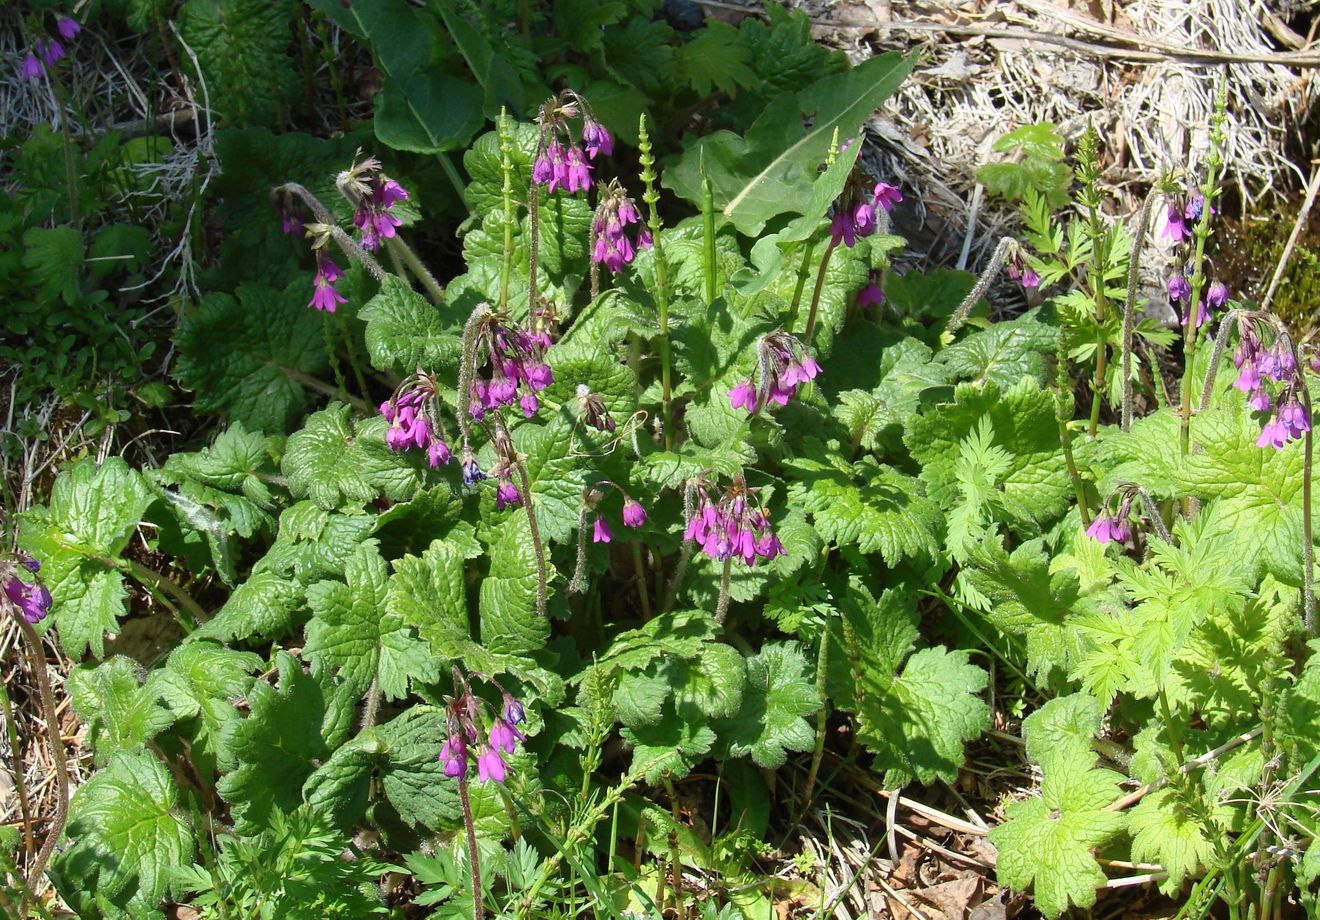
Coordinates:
[491,766]
[870,294]
[454,755]
[1105,528]
[1175,225]
[68,28]
[1216,295]
[1202,315]
[1179,289]
[743,396]
[504,737]
[31,68]
[50,51]
[600,531]
[1194,207]
[529,404]
[376,194]
[1275,434]
[886,196]
[472,473]
[513,710]
[28,562]
[507,495]
[731,526]
[1020,271]
[864,219]
[634,515]
[595,138]
[32,600]
[324,295]
[614,214]
[437,453]
[842,229]
[577,171]
[1259,400]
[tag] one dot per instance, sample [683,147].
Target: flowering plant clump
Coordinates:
[737,525]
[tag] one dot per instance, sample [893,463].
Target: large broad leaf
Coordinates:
[764,174]
[335,462]
[119,713]
[93,512]
[404,332]
[246,355]
[242,46]
[124,836]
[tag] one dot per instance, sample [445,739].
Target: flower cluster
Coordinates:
[783,364]
[374,195]
[856,216]
[561,162]
[594,412]
[515,361]
[1177,224]
[463,716]
[1018,270]
[1180,214]
[732,525]
[1257,367]
[47,51]
[506,464]
[32,599]
[1180,292]
[614,213]
[413,414]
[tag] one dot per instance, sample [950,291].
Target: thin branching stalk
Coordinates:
[351,351]
[651,196]
[467,367]
[66,135]
[675,855]
[150,578]
[640,565]
[815,294]
[332,356]
[351,250]
[331,60]
[803,273]
[1129,306]
[474,852]
[529,505]
[533,244]
[506,168]
[818,752]
[685,552]
[1308,549]
[1006,246]
[578,583]
[1153,513]
[50,715]
[1221,342]
[1202,233]
[1098,235]
[1063,411]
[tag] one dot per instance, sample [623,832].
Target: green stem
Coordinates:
[818,753]
[329,57]
[815,294]
[506,166]
[708,223]
[332,356]
[642,592]
[20,784]
[1129,307]
[353,362]
[803,273]
[1063,411]
[675,855]
[70,172]
[652,196]
[456,180]
[1099,256]
[434,291]
[150,578]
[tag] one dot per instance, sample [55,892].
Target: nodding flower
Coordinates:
[614,213]
[561,161]
[514,363]
[31,598]
[413,413]
[464,714]
[732,524]
[374,195]
[324,295]
[1259,368]
[783,365]
[857,216]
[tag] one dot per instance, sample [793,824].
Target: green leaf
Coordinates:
[1004,353]
[509,621]
[405,332]
[242,47]
[873,507]
[270,341]
[93,511]
[276,747]
[757,178]
[353,630]
[121,714]
[54,260]
[1021,596]
[1049,839]
[429,594]
[201,680]
[263,607]
[778,695]
[336,463]
[1060,732]
[490,66]
[124,836]
[714,59]
[672,745]
[1299,713]
[1166,830]
[916,722]
[1035,489]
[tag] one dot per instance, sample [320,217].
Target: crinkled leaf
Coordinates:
[242,46]
[777,697]
[509,621]
[336,463]
[405,332]
[1004,353]
[672,745]
[202,680]
[120,713]
[263,607]
[1167,831]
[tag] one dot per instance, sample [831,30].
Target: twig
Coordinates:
[1187,767]
[1311,190]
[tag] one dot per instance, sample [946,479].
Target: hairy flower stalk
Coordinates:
[1088,171]
[507,495]
[321,231]
[1063,413]
[1007,248]
[30,602]
[465,714]
[505,137]
[783,363]
[413,414]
